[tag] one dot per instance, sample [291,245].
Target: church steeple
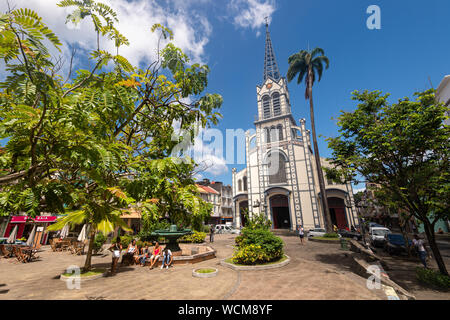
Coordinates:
[270,63]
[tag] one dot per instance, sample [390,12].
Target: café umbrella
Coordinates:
[82,236]
[12,236]
[65,231]
[30,241]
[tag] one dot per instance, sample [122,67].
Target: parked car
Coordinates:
[222,228]
[235,231]
[376,235]
[350,234]
[395,243]
[373,224]
[316,232]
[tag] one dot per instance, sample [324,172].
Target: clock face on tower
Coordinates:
[269,85]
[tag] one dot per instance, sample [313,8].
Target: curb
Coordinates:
[324,241]
[249,268]
[204,275]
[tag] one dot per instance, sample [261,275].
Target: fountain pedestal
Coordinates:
[172,234]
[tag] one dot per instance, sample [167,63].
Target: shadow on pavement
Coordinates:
[339,260]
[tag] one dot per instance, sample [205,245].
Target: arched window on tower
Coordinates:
[276,104]
[239,185]
[280,132]
[273,134]
[276,165]
[245,183]
[266,106]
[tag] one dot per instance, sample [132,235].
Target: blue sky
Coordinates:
[411,50]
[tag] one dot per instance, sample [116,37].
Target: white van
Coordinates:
[377,234]
[222,228]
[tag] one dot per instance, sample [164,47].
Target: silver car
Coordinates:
[316,232]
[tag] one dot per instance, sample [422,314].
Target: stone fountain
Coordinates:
[172,234]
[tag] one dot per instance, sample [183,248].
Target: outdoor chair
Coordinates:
[65,245]
[80,249]
[22,255]
[54,244]
[5,252]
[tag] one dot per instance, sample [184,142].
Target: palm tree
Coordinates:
[101,215]
[306,65]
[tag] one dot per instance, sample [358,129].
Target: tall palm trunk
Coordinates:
[326,211]
[87,263]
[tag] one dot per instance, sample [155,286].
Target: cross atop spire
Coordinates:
[270,63]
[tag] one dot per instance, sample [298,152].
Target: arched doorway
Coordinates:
[243,210]
[337,212]
[279,207]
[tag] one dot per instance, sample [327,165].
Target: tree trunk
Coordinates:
[87,263]
[429,231]
[323,195]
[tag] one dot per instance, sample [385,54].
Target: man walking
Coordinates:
[419,244]
[211,234]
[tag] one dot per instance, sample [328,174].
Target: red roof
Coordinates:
[209,189]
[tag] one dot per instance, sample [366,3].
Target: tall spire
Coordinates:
[270,63]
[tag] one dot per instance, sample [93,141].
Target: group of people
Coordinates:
[140,255]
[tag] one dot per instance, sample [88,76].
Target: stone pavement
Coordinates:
[316,271]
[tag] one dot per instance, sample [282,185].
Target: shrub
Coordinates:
[257,221]
[195,237]
[331,235]
[140,243]
[433,278]
[99,241]
[206,228]
[126,239]
[256,246]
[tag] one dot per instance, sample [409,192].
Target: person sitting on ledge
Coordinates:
[143,257]
[131,251]
[167,258]
[156,253]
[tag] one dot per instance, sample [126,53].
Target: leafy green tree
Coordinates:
[306,65]
[85,145]
[403,148]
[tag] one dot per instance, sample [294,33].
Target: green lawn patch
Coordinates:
[205,270]
[92,272]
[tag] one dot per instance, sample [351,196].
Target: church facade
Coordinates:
[280,179]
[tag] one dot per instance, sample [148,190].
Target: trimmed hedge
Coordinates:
[433,278]
[195,237]
[257,246]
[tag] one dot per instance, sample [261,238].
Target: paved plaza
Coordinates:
[316,271]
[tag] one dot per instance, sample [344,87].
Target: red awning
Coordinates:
[45,218]
[17,219]
[23,219]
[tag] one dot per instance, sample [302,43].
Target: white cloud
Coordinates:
[191,31]
[252,13]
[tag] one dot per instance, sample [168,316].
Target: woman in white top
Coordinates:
[301,233]
[131,251]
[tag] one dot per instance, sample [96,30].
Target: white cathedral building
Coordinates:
[280,179]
